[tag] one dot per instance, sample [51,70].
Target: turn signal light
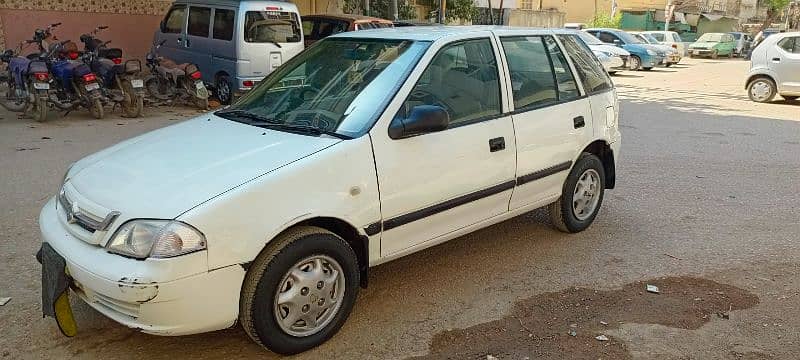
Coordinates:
[117,60]
[41,76]
[248,83]
[195,75]
[89,77]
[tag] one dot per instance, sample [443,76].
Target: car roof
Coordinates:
[605,29]
[351,17]
[433,33]
[248,4]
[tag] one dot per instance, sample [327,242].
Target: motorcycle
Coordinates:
[170,81]
[27,83]
[74,84]
[120,81]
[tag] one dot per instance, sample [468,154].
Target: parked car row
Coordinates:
[641,50]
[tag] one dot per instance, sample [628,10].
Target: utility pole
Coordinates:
[393,9]
[366,8]
[668,14]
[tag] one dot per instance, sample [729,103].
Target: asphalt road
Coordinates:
[707,187]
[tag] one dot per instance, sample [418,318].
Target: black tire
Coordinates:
[790,98]
[647,68]
[612,73]
[635,60]
[773,89]
[562,212]
[266,274]
[132,104]
[201,103]
[159,87]
[668,64]
[38,109]
[223,89]
[714,54]
[96,108]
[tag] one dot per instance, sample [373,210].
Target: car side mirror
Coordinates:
[422,119]
[162,25]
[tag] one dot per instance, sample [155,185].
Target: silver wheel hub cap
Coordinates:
[586,194]
[309,296]
[760,90]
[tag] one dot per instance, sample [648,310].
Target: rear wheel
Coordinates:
[39,109]
[223,89]
[201,103]
[299,291]
[132,104]
[581,196]
[96,108]
[762,90]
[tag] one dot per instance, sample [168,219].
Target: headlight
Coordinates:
[156,238]
[65,178]
[651,52]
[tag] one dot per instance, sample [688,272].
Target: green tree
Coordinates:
[774,9]
[606,21]
[464,10]
[380,8]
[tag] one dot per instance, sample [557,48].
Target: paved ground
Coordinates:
[707,196]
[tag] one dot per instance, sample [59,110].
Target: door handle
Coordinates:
[497,144]
[579,122]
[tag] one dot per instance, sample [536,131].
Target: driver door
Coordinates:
[437,183]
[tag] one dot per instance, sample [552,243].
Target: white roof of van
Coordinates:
[436,32]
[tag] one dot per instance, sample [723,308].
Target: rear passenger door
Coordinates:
[223,47]
[198,42]
[549,114]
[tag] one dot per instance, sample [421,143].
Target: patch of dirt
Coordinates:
[563,325]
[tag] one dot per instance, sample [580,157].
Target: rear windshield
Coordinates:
[271,27]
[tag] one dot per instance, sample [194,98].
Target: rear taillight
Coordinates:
[248,83]
[195,75]
[72,55]
[89,77]
[117,60]
[41,76]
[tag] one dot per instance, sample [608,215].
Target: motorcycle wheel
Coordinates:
[97,109]
[132,104]
[201,104]
[39,109]
[158,87]
[9,99]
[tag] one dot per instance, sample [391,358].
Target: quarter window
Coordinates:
[532,78]
[463,79]
[790,44]
[567,87]
[173,22]
[594,77]
[223,24]
[199,21]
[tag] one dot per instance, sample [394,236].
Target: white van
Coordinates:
[234,43]
[269,213]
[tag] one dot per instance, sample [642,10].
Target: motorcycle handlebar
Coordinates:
[102,27]
[55,25]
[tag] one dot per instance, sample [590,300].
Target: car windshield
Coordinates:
[736,36]
[271,27]
[337,87]
[710,37]
[628,38]
[649,38]
[589,39]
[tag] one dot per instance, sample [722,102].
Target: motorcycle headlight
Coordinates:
[142,238]
[651,53]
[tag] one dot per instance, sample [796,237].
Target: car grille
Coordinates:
[80,220]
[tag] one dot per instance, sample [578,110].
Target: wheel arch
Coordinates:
[359,242]
[603,150]
[755,76]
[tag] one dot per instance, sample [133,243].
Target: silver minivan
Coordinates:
[775,68]
[234,43]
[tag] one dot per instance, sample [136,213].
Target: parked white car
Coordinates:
[610,61]
[270,212]
[607,50]
[670,38]
[775,68]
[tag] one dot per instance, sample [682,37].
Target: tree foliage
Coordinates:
[380,8]
[461,10]
[774,8]
[606,21]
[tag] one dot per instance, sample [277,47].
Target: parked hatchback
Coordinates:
[775,68]
[643,56]
[318,27]
[670,38]
[713,45]
[234,43]
[269,213]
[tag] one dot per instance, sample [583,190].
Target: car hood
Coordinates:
[168,171]
[703,45]
[610,49]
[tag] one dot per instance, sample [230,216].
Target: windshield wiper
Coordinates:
[276,44]
[245,115]
[302,129]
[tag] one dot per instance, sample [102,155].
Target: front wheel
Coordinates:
[299,291]
[762,90]
[714,54]
[636,62]
[668,64]
[581,196]
[647,68]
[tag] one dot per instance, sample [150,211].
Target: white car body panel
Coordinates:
[781,66]
[241,186]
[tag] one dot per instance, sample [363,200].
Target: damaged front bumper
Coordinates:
[175,296]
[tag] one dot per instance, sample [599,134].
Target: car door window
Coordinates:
[607,37]
[173,22]
[223,24]
[592,74]
[463,79]
[199,21]
[532,81]
[567,86]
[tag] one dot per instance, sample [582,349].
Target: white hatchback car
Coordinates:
[775,68]
[366,147]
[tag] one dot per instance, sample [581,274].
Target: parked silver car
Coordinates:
[775,68]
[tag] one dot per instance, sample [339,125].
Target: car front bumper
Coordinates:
[155,296]
[673,58]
